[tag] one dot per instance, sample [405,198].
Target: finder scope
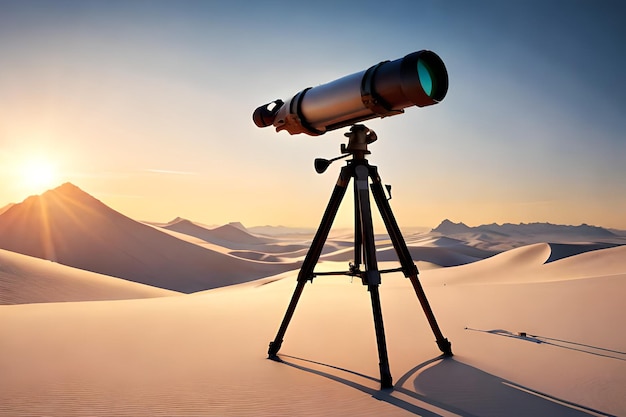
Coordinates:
[385,89]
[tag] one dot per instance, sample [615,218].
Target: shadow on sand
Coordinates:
[560,343]
[559,251]
[447,385]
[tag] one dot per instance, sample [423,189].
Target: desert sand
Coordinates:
[205,353]
[25,279]
[537,330]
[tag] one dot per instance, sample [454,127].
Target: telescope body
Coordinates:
[331,103]
[382,90]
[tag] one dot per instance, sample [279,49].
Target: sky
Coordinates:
[147,106]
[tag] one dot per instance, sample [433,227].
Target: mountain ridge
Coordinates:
[69,226]
[448,227]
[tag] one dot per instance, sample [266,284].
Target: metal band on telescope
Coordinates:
[297,102]
[370,99]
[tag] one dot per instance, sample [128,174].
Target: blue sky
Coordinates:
[147,106]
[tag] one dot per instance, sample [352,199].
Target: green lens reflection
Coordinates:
[425,77]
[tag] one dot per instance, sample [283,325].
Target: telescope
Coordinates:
[385,89]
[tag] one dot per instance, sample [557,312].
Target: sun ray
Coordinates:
[47,241]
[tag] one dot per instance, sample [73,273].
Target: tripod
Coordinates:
[364,246]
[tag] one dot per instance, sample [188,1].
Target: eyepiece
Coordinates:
[264,115]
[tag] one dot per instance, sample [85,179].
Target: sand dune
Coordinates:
[235,240]
[530,264]
[234,237]
[69,226]
[536,330]
[438,256]
[564,250]
[24,279]
[205,353]
[436,251]
[257,256]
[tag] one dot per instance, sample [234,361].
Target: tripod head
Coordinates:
[359,137]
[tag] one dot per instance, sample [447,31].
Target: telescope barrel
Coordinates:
[385,89]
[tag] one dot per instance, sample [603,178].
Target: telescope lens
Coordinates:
[425,77]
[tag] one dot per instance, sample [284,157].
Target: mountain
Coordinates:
[232,235]
[548,228]
[450,228]
[68,226]
[618,232]
[5,208]
[507,235]
[447,227]
[236,237]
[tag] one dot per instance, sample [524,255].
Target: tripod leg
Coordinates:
[372,274]
[312,256]
[409,268]
[358,232]
[278,341]
[383,360]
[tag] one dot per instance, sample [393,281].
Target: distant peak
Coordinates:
[447,222]
[449,227]
[238,225]
[66,189]
[67,186]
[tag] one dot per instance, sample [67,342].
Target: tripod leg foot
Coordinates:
[445,346]
[386,382]
[272,352]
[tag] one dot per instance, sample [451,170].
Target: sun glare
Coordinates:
[38,175]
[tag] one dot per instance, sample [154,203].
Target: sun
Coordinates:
[38,175]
